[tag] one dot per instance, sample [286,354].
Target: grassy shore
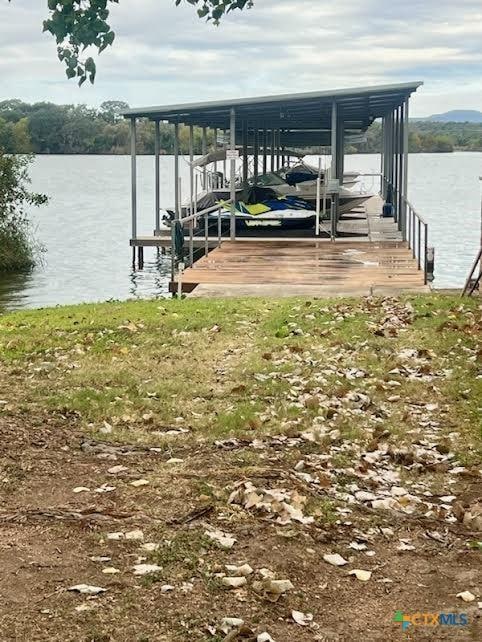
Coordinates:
[301,428]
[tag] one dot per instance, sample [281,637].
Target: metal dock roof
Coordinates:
[358,107]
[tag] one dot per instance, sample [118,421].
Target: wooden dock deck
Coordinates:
[374,260]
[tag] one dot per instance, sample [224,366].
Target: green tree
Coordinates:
[17,249]
[111,110]
[21,137]
[79,24]
[46,124]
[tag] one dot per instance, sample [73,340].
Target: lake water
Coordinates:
[85,229]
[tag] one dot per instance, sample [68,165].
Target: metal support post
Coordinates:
[133,178]
[232,133]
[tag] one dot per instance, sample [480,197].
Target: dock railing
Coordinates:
[178,226]
[414,229]
[417,238]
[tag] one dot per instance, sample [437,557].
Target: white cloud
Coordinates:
[165,54]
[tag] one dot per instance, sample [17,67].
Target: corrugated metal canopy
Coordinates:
[357,108]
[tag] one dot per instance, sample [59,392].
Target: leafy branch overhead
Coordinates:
[79,24]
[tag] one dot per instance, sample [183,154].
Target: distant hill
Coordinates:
[457,116]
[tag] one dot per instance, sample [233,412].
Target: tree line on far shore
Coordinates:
[428,136]
[47,128]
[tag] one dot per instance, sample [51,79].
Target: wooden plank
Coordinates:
[345,265]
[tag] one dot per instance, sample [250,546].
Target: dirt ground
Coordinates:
[242,471]
[49,536]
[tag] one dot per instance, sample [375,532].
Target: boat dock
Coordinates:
[380,246]
[368,258]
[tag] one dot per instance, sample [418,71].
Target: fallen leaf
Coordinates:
[239,571]
[361,575]
[335,559]
[81,489]
[87,589]
[233,582]
[115,536]
[137,483]
[145,569]
[224,540]
[150,547]
[115,470]
[303,619]
[105,488]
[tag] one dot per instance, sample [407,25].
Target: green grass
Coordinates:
[235,367]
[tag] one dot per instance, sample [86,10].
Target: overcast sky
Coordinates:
[165,54]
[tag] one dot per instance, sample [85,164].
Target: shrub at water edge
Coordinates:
[17,247]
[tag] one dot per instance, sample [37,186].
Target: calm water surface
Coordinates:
[85,229]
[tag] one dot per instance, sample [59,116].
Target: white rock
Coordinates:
[361,575]
[137,483]
[466,596]
[174,461]
[81,489]
[145,569]
[335,559]
[87,589]
[100,558]
[264,637]
[167,588]
[136,535]
[110,570]
[303,619]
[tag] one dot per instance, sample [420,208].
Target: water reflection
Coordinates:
[13,289]
[153,278]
